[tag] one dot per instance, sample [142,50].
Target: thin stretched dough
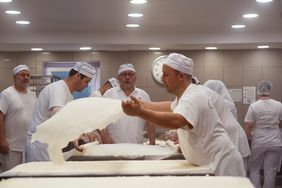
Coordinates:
[76,117]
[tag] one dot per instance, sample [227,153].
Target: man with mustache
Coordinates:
[16,104]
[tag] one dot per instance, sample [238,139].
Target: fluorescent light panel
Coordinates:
[135,15]
[5,1]
[211,48]
[12,12]
[262,47]
[250,15]
[138,1]
[154,48]
[264,1]
[132,25]
[238,26]
[36,49]
[85,48]
[23,22]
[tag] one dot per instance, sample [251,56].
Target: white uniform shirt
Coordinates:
[128,129]
[206,143]
[17,108]
[54,94]
[266,115]
[231,125]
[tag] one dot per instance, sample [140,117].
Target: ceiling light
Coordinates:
[85,48]
[5,1]
[154,48]
[263,1]
[12,12]
[132,25]
[262,47]
[36,49]
[135,15]
[138,1]
[250,15]
[238,26]
[23,22]
[211,48]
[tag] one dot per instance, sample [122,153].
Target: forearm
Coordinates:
[157,106]
[164,119]
[248,129]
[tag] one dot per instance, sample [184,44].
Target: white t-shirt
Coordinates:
[128,129]
[56,94]
[206,143]
[17,108]
[231,125]
[266,115]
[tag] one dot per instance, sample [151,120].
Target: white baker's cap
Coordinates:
[180,62]
[85,68]
[126,67]
[114,82]
[19,68]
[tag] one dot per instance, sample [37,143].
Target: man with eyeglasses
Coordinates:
[16,105]
[128,129]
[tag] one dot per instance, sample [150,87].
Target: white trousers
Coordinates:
[268,159]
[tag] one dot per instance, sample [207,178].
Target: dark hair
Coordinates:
[73,72]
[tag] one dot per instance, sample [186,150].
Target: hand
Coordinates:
[132,107]
[4,147]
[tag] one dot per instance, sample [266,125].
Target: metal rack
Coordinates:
[37,83]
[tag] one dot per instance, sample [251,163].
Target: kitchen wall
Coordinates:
[237,68]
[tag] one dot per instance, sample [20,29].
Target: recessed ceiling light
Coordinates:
[238,26]
[263,1]
[12,12]
[250,15]
[22,22]
[36,49]
[154,48]
[132,25]
[138,1]
[5,1]
[211,48]
[135,15]
[85,48]
[262,47]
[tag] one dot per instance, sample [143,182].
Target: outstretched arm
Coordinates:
[164,119]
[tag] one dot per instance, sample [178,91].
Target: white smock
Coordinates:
[266,145]
[17,109]
[128,129]
[231,125]
[56,94]
[206,143]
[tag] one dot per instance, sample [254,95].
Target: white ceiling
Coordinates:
[65,25]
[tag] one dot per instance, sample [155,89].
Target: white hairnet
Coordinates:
[19,68]
[264,88]
[219,87]
[114,82]
[85,68]
[180,62]
[126,67]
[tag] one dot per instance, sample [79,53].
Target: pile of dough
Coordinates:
[76,117]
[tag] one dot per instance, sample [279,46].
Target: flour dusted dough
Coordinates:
[76,117]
